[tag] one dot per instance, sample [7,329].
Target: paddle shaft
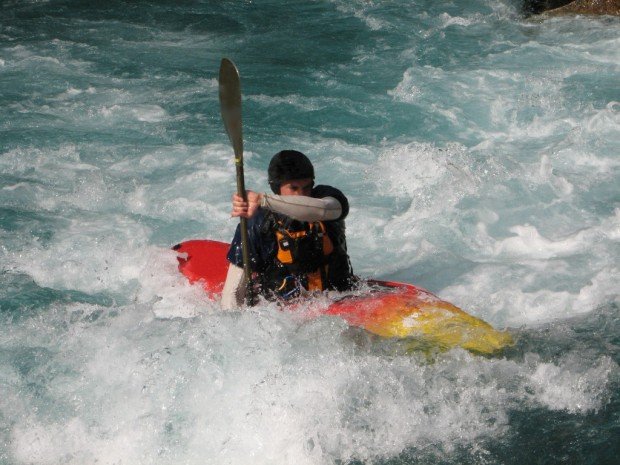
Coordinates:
[230,107]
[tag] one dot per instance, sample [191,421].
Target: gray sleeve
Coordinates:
[303,208]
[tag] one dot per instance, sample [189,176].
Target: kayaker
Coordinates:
[296,236]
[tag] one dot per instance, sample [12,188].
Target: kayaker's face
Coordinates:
[297,187]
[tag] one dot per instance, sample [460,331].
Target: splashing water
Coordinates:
[478,150]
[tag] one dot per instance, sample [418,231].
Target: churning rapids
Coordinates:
[478,149]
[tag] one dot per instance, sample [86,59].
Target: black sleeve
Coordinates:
[321,191]
[262,246]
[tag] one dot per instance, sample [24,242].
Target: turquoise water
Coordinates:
[479,152]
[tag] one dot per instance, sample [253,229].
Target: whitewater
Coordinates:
[479,153]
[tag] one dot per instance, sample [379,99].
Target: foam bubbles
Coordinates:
[527,243]
[112,262]
[570,386]
[125,384]
[449,20]
[145,113]
[479,155]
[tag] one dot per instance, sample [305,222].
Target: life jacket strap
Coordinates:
[313,244]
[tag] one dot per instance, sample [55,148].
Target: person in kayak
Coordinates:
[296,236]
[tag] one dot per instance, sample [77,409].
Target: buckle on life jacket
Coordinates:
[284,245]
[290,287]
[293,286]
[305,249]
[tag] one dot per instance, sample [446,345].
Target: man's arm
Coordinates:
[235,287]
[325,204]
[303,208]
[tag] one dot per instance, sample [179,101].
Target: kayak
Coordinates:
[385,308]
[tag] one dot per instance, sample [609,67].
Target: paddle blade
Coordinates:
[230,104]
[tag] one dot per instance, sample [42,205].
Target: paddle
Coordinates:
[230,107]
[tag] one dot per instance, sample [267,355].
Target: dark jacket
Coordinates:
[263,246]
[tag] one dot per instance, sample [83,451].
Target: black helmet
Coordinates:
[288,165]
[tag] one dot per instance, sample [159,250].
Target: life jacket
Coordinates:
[301,258]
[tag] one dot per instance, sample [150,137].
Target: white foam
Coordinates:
[88,255]
[361,11]
[527,243]
[604,122]
[170,294]
[571,386]
[169,378]
[296,101]
[517,209]
[530,278]
[448,20]
[149,390]
[418,169]
[547,174]
[148,113]
[503,296]
[74,442]
[427,181]
[406,90]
